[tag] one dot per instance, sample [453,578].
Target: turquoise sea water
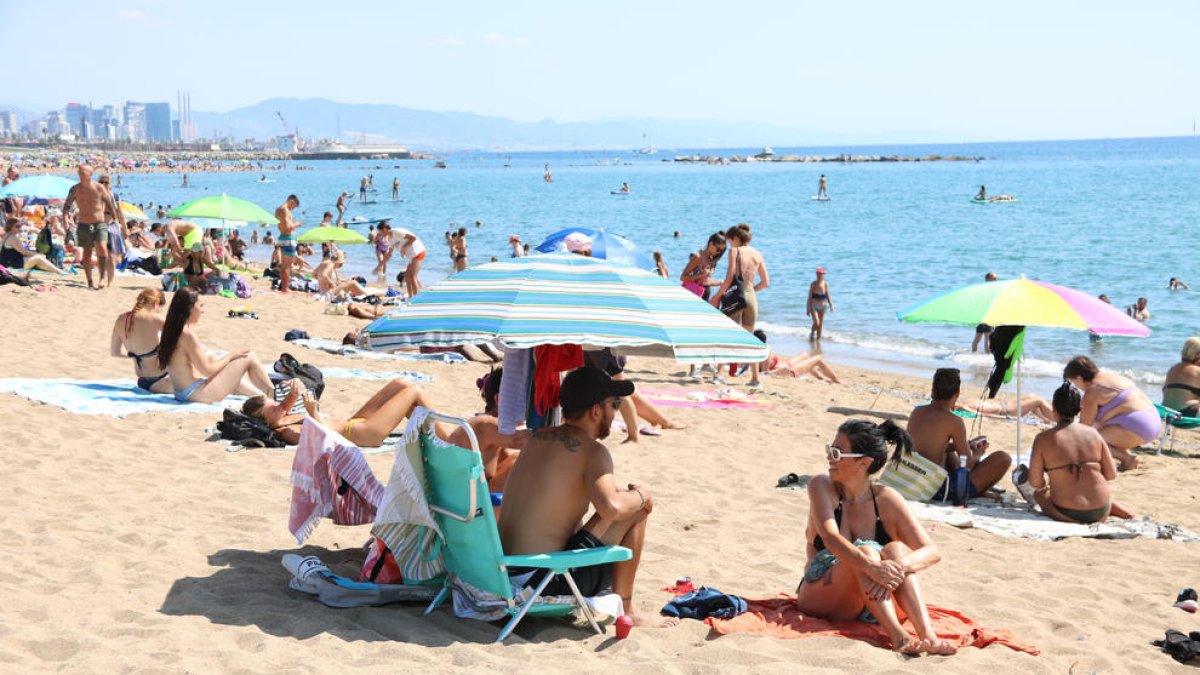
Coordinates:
[1113,216]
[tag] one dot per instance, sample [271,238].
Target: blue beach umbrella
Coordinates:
[605,245]
[566,299]
[41,187]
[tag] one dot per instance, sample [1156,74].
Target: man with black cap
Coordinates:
[562,473]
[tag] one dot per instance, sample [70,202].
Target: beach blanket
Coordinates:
[115,398]
[404,522]
[360,374]
[1018,521]
[330,478]
[678,397]
[779,618]
[331,347]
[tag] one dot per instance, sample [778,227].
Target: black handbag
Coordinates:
[734,299]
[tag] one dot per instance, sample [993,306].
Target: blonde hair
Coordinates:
[148,297]
[1191,350]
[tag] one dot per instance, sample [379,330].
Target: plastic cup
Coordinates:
[624,624]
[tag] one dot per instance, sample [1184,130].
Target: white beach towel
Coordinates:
[331,347]
[1017,521]
[115,398]
[413,376]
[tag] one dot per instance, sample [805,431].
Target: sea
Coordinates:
[1116,216]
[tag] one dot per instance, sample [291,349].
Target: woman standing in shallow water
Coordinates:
[864,545]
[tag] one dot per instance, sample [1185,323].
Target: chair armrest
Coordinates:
[560,561]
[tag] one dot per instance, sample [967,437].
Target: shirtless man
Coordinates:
[821,185]
[562,473]
[341,206]
[362,189]
[395,189]
[1139,310]
[91,227]
[940,436]
[287,240]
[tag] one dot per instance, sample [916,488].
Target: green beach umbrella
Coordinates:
[222,207]
[333,235]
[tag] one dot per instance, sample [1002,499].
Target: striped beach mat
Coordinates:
[915,477]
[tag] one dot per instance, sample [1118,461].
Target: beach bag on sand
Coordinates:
[914,476]
[380,565]
[247,431]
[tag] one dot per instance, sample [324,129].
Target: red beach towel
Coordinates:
[779,618]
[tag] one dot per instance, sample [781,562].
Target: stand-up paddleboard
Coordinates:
[620,192]
[820,199]
[266,180]
[993,201]
[365,221]
[367,201]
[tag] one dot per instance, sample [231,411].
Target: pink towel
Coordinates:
[330,478]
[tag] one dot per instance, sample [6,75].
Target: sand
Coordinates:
[137,545]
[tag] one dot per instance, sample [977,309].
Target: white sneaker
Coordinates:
[717,379]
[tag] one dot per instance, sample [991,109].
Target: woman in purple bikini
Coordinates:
[1112,403]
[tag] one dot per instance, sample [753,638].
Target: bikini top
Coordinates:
[819,296]
[1184,387]
[1074,467]
[881,534]
[137,358]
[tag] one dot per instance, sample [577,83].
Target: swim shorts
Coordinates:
[90,234]
[591,580]
[287,245]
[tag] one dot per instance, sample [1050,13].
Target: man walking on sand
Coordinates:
[562,473]
[287,240]
[91,227]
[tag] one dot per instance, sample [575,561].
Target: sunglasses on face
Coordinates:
[834,453]
[616,404]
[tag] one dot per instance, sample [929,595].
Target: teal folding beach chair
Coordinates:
[1172,420]
[459,498]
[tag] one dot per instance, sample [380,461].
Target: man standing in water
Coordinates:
[91,227]
[341,206]
[821,185]
[287,240]
[395,189]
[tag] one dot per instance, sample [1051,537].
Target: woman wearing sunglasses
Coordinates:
[864,546]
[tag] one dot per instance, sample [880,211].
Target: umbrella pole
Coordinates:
[1017,410]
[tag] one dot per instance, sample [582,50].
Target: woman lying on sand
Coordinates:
[864,546]
[798,365]
[368,427]
[1112,403]
[1031,404]
[135,334]
[195,374]
[1076,460]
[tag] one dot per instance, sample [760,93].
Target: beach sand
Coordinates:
[138,545]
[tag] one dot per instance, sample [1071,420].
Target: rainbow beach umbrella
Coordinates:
[1024,302]
[566,299]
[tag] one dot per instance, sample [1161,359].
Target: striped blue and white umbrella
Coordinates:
[566,299]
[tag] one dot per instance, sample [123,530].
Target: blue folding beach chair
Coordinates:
[459,498]
[1172,420]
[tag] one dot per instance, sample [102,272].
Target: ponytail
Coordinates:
[894,434]
[149,297]
[871,440]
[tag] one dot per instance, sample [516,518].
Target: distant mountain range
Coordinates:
[432,130]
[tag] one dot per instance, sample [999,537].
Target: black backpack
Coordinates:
[247,431]
[307,373]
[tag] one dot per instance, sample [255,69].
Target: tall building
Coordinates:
[8,123]
[77,113]
[134,128]
[158,122]
[57,124]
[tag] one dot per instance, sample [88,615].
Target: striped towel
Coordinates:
[330,478]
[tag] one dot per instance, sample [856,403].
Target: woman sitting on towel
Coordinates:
[195,374]
[1078,465]
[1112,403]
[864,546]
[499,450]
[135,334]
[369,427]
[15,256]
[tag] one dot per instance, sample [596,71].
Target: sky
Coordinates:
[970,71]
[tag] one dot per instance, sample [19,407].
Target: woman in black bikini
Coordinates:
[135,334]
[864,545]
[1075,459]
[1182,390]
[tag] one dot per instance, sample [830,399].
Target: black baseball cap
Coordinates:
[584,387]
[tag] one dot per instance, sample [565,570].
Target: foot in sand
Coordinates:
[671,424]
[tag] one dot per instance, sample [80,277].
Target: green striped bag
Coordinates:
[915,477]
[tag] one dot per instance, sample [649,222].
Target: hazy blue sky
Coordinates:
[970,70]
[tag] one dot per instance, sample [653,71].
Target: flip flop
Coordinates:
[788,481]
[1187,601]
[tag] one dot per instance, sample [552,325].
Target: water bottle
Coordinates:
[962,478]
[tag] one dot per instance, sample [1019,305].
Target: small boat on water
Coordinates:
[439,165]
